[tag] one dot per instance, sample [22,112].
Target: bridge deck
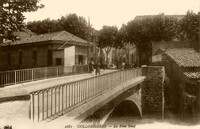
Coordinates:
[25,88]
[81,112]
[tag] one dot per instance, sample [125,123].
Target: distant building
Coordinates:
[128,54]
[52,49]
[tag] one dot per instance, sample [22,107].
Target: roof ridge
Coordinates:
[75,36]
[68,35]
[57,34]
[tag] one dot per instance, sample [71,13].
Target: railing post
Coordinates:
[32,75]
[38,106]
[32,107]
[15,77]
[57,71]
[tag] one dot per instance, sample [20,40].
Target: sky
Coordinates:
[111,12]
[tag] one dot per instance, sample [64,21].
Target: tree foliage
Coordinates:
[146,29]
[72,23]
[189,27]
[76,25]
[122,37]
[142,31]
[44,26]
[11,15]
[152,28]
[108,38]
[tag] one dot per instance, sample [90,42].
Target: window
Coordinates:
[50,57]
[20,57]
[34,58]
[58,61]
[80,59]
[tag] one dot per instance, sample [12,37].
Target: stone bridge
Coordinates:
[97,97]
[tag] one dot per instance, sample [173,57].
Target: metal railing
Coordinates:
[25,75]
[52,101]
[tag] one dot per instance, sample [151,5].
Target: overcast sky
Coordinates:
[111,12]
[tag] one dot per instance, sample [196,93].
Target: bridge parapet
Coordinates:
[61,99]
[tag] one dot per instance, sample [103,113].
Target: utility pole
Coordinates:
[88,44]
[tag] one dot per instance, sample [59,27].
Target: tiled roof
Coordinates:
[61,36]
[192,75]
[24,33]
[159,51]
[184,57]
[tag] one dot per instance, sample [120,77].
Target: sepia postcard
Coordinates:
[120,64]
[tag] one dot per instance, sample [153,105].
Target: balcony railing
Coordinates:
[52,101]
[26,75]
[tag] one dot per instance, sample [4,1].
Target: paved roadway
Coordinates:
[26,88]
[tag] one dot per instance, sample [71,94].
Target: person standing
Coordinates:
[123,65]
[91,66]
[97,68]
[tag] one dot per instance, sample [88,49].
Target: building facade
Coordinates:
[127,54]
[45,50]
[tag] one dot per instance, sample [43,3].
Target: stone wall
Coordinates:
[153,90]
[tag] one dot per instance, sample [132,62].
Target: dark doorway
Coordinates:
[80,59]
[20,57]
[34,58]
[50,57]
[9,58]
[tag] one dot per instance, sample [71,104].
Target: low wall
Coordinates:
[153,90]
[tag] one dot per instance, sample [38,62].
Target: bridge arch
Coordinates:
[126,108]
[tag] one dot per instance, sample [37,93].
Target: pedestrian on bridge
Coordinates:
[123,65]
[91,66]
[97,67]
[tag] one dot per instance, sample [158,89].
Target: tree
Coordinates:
[122,37]
[11,15]
[108,39]
[71,23]
[76,25]
[189,27]
[138,33]
[44,26]
[142,31]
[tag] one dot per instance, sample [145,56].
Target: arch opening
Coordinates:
[126,108]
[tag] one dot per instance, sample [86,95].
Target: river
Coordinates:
[147,121]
